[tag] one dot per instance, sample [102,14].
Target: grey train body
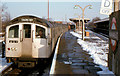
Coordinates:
[24,45]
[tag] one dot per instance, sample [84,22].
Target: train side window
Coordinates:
[40,32]
[14,32]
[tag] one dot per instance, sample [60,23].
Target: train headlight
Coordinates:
[15,49]
[12,49]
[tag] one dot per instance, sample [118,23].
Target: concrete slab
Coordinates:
[80,64]
[80,71]
[77,61]
[72,59]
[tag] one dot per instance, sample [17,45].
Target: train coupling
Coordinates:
[26,64]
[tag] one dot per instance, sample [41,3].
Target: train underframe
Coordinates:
[27,62]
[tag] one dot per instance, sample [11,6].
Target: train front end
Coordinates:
[24,46]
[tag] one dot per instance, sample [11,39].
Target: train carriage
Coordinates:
[23,43]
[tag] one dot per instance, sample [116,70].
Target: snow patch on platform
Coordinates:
[98,49]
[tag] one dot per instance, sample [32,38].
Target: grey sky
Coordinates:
[58,10]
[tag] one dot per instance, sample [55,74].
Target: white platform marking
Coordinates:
[52,70]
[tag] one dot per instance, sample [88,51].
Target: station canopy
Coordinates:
[75,20]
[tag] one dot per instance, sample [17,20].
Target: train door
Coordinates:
[40,42]
[27,41]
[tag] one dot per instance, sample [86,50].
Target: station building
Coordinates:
[102,26]
[76,21]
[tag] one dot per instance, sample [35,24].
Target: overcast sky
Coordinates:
[59,9]
[51,0]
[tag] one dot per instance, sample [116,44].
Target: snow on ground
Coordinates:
[3,64]
[97,48]
[105,71]
[1,40]
[1,33]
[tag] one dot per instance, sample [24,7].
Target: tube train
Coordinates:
[24,46]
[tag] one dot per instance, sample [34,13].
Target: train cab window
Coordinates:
[40,32]
[14,32]
[27,31]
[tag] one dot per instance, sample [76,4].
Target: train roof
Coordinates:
[32,19]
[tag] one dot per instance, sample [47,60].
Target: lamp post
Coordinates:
[48,10]
[116,5]
[79,20]
[83,11]
[1,16]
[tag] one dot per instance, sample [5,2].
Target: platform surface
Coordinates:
[72,59]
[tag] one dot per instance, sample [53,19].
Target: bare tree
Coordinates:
[91,24]
[0,17]
[5,16]
[96,19]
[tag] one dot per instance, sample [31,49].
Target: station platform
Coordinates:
[73,58]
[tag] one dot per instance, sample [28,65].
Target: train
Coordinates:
[30,39]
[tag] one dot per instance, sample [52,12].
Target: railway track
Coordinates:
[37,70]
[103,32]
[11,70]
[102,36]
[7,69]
